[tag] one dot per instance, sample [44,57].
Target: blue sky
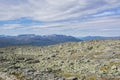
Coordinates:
[68,17]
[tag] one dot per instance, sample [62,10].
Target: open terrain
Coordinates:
[91,60]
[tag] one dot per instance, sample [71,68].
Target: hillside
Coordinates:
[91,60]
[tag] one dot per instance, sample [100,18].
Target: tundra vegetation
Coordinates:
[89,60]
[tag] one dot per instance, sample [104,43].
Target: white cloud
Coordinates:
[107,26]
[104,14]
[48,10]
[51,11]
[10,26]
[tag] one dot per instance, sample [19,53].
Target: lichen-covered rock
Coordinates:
[92,60]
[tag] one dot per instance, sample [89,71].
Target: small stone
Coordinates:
[113,52]
[53,56]
[30,70]
[1,52]
[49,70]
[114,67]
[88,60]
[72,78]
[33,61]
[20,58]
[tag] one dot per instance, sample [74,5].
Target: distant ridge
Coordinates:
[35,40]
[45,40]
[87,38]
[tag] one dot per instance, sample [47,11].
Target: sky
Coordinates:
[67,17]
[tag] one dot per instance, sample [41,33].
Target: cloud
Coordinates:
[104,26]
[71,17]
[48,10]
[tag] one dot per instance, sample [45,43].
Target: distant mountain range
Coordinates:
[35,40]
[87,38]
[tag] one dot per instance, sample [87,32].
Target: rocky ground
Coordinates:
[92,60]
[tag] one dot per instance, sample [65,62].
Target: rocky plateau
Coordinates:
[86,60]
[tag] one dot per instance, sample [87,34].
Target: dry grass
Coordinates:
[18,76]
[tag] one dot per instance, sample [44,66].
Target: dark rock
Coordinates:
[20,58]
[33,61]
[49,70]
[28,59]
[30,70]
[90,48]
[71,63]
[53,56]
[1,52]
[113,52]
[72,78]
[3,60]
[88,60]
[14,67]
